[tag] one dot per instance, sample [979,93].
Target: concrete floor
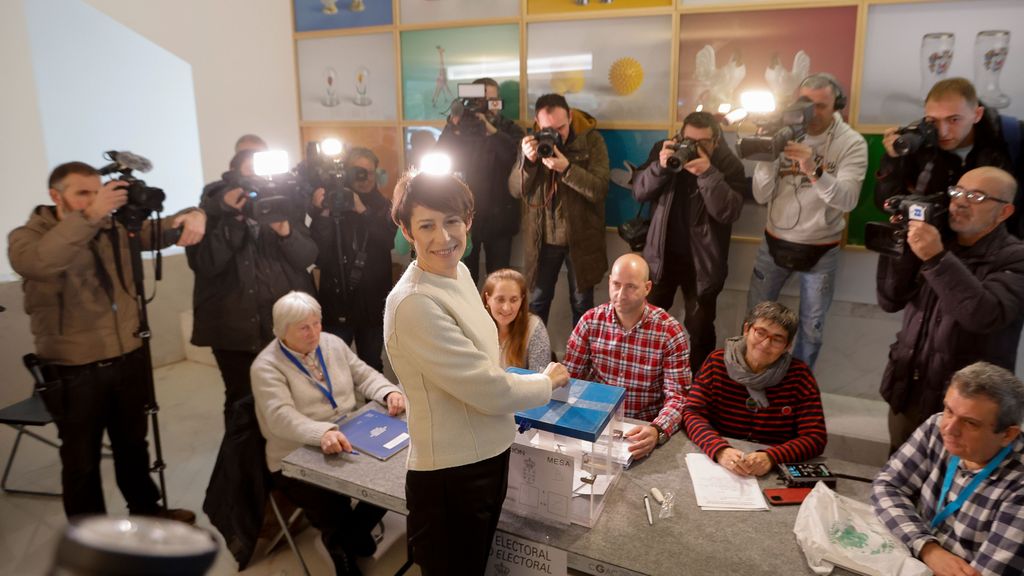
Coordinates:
[191,396]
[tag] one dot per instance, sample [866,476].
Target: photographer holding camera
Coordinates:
[76,264]
[242,268]
[963,298]
[354,285]
[482,145]
[563,178]
[809,189]
[957,134]
[696,198]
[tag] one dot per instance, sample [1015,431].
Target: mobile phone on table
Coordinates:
[785,496]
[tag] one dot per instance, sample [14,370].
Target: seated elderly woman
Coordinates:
[754,390]
[302,383]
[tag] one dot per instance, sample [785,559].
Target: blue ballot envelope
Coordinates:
[376,433]
[590,408]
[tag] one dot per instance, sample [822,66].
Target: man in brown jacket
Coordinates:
[564,195]
[75,262]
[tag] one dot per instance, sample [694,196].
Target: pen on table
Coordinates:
[352,452]
[647,507]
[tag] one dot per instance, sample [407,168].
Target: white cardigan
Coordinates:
[292,411]
[443,347]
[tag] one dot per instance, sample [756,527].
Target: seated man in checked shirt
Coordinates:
[630,343]
[954,492]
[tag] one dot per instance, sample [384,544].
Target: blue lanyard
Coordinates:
[943,510]
[327,392]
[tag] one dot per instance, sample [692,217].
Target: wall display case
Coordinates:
[348,78]
[313,15]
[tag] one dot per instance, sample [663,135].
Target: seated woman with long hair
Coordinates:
[522,337]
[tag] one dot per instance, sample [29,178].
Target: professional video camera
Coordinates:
[915,136]
[548,139]
[685,150]
[323,168]
[776,130]
[473,100]
[890,238]
[143,200]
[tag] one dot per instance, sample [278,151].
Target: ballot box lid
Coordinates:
[590,408]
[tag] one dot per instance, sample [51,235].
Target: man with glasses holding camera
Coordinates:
[696,187]
[958,133]
[963,298]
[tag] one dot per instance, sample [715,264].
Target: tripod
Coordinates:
[134,227]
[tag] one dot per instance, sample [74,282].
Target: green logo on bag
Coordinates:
[846,535]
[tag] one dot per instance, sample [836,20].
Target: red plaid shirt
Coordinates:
[651,361]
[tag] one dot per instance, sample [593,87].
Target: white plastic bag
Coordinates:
[834,530]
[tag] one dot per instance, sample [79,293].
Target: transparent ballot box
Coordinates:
[568,456]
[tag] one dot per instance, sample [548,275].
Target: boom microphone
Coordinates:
[125,160]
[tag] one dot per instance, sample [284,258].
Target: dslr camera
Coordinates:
[915,136]
[776,130]
[473,100]
[547,140]
[684,150]
[143,200]
[890,238]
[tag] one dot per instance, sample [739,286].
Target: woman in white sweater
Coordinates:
[522,337]
[444,348]
[303,383]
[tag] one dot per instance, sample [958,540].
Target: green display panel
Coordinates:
[625,146]
[866,211]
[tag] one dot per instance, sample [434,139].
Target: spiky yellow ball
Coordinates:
[625,76]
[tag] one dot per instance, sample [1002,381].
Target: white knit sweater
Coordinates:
[292,411]
[443,346]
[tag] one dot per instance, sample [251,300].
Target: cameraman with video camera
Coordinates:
[354,286]
[562,176]
[957,134]
[77,269]
[242,267]
[963,298]
[809,189]
[696,186]
[482,145]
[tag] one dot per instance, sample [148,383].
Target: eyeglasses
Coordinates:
[973,196]
[774,339]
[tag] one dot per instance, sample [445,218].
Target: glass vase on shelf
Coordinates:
[990,50]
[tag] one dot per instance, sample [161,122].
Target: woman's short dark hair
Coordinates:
[776,313]
[442,192]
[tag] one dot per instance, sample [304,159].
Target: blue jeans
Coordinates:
[817,286]
[549,264]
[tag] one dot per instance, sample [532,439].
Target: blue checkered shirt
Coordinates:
[987,532]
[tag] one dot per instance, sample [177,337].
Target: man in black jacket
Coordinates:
[963,299]
[242,267]
[353,288]
[484,151]
[691,221]
[969,136]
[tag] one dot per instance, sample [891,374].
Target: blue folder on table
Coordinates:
[589,409]
[376,433]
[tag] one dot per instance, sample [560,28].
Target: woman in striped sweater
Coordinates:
[754,390]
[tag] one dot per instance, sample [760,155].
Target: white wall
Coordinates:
[244,77]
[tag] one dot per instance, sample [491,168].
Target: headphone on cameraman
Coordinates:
[840,101]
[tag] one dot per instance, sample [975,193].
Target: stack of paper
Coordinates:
[719,489]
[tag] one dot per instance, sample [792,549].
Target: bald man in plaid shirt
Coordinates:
[635,345]
[954,492]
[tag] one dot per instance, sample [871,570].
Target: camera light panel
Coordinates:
[270,162]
